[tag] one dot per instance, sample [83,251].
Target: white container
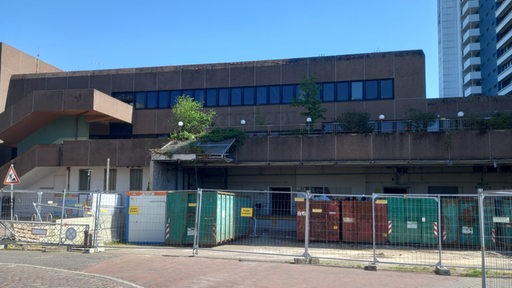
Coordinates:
[146,217]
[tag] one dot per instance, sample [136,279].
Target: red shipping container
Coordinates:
[357,221]
[324,220]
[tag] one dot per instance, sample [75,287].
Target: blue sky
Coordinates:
[102,34]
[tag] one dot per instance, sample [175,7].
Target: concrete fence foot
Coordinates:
[441,270]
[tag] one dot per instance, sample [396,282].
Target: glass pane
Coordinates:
[328,92]
[84,179]
[236,96]
[211,97]
[163,99]
[199,95]
[386,89]
[288,93]
[152,100]
[136,179]
[126,97]
[274,94]
[342,91]
[140,100]
[223,97]
[111,179]
[371,89]
[189,93]
[261,95]
[174,97]
[357,90]
[249,96]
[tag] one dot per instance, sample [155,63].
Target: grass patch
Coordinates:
[471,273]
[410,268]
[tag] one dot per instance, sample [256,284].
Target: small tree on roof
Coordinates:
[308,98]
[194,118]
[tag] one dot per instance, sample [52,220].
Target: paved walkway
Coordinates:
[159,268]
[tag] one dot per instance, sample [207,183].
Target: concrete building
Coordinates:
[474,41]
[59,128]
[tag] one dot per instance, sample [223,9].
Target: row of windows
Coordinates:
[261,95]
[84,179]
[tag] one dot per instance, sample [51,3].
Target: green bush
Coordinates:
[356,122]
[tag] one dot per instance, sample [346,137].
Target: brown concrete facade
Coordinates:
[406,68]
[33,98]
[14,61]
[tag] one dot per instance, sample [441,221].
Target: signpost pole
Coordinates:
[12,201]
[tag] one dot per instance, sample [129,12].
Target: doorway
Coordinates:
[280,200]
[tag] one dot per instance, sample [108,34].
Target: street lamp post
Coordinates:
[460,115]
[308,121]
[243,122]
[381,120]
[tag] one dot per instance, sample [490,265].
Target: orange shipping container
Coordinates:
[324,220]
[357,220]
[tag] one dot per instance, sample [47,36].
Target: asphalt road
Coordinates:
[174,268]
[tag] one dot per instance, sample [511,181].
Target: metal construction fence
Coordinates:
[496,226]
[78,219]
[448,232]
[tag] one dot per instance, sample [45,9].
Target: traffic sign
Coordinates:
[11,177]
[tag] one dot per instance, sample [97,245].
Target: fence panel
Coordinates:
[60,218]
[496,238]
[257,222]
[459,231]
[412,222]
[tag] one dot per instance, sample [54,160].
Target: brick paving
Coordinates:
[172,268]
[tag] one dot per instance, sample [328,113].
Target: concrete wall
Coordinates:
[14,61]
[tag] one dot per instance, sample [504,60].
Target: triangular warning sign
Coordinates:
[11,177]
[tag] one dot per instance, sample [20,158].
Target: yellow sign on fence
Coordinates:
[133,210]
[246,212]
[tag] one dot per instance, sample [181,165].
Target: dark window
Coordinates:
[357,90]
[328,92]
[84,179]
[223,97]
[174,97]
[199,95]
[152,100]
[386,89]
[121,130]
[288,93]
[136,179]
[443,190]
[343,91]
[140,100]
[112,176]
[249,96]
[189,93]
[211,97]
[236,96]
[274,94]
[163,99]
[261,95]
[126,97]
[395,190]
[371,89]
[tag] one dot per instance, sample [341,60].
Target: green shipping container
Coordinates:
[411,220]
[461,222]
[220,221]
[502,223]
[180,218]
